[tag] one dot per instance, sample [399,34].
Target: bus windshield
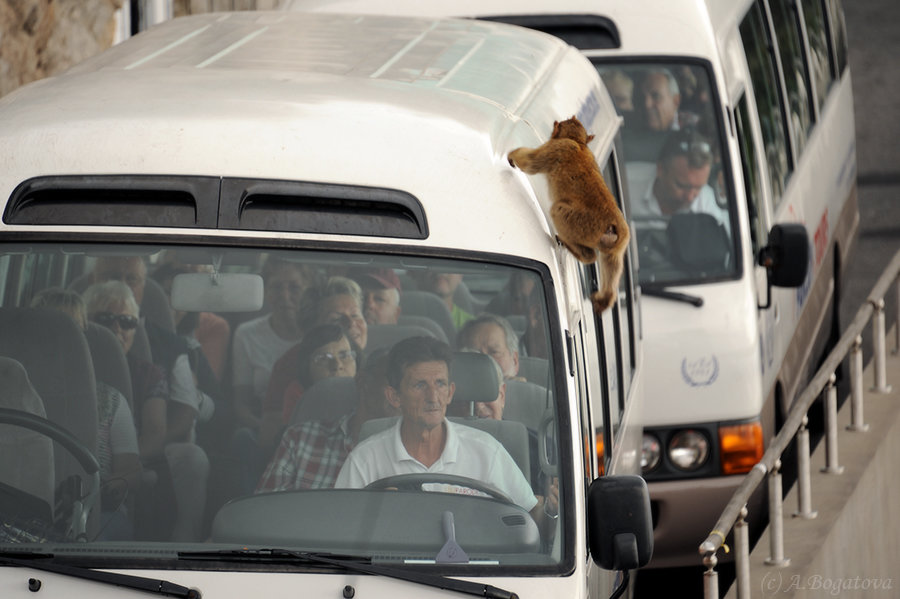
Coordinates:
[163,399]
[680,205]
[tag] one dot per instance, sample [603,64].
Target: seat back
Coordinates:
[424,303]
[386,335]
[26,456]
[108,357]
[525,403]
[54,352]
[327,400]
[535,370]
[426,323]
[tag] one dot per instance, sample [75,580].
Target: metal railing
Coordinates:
[735,512]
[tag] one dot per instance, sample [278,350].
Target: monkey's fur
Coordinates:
[584,211]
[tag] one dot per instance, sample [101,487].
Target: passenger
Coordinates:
[489,410]
[311,453]
[167,350]
[493,335]
[514,298]
[164,448]
[424,441]
[258,343]
[325,352]
[117,444]
[339,302]
[444,285]
[681,181]
[381,295]
[661,98]
[621,90]
[202,330]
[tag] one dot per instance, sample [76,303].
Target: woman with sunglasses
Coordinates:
[182,466]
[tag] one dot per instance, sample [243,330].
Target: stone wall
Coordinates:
[44,37]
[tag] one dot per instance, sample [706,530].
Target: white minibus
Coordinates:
[738,135]
[218,198]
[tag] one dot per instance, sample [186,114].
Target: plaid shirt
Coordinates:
[309,457]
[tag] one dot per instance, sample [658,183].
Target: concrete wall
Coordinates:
[852,547]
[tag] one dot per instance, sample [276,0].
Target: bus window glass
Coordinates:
[332,384]
[817,34]
[793,67]
[676,171]
[751,172]
[838,35]
[768,104]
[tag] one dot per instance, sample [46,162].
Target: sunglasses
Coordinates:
[329,358]
[695,147]
[126,322]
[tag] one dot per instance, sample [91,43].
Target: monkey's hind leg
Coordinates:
[570,229]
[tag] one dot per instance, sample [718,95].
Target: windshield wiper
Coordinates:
[128,581]
[354,563]
[664,293]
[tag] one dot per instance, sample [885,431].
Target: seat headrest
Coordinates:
[476,377]
[326,401]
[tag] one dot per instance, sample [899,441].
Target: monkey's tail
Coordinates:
[611,264]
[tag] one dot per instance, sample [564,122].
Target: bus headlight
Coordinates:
[688,449]
[650,453]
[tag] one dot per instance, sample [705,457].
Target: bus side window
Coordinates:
[755,37]
[752,176]
[817,34]
[794,69]
[838,31]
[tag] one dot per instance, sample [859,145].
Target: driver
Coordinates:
[681,182]
[424,442]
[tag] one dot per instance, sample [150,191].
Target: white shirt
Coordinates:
[467,452]
[642,176]
[256,349]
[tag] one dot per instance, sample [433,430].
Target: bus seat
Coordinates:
[110,364]
[535,370]
[327,400]
[526,403]
[386,335]
[26,456]
[426,323]
[424,303]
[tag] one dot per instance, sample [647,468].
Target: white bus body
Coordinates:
[331,143]
[778,113]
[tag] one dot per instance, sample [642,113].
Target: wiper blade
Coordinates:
[356,564]
[677,296]
[128,581]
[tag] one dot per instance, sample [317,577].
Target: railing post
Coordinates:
[878,348]
[776,520]
[857,422]
[742,555]
[804,492]
[710,577]
[831,430]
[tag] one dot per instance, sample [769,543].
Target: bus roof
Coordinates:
[397,103]
[677,27]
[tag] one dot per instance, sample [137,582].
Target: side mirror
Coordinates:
[786,258]
[620,529]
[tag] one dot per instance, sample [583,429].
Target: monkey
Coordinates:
[584,211]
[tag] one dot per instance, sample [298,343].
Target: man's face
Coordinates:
[489,338]
[345,311]
[441,283]
[382,306]
[660,103]
[284,290]
[423,395]
[677,184]
[132,271]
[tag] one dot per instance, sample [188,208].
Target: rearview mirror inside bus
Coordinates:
[217,292]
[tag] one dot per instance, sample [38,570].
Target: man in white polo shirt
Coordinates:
[424,441]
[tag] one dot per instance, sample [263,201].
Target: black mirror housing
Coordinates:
[787,256]
[620,528]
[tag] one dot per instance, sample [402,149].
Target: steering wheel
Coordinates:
[414,482]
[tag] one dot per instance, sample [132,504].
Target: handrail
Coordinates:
[770,463]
